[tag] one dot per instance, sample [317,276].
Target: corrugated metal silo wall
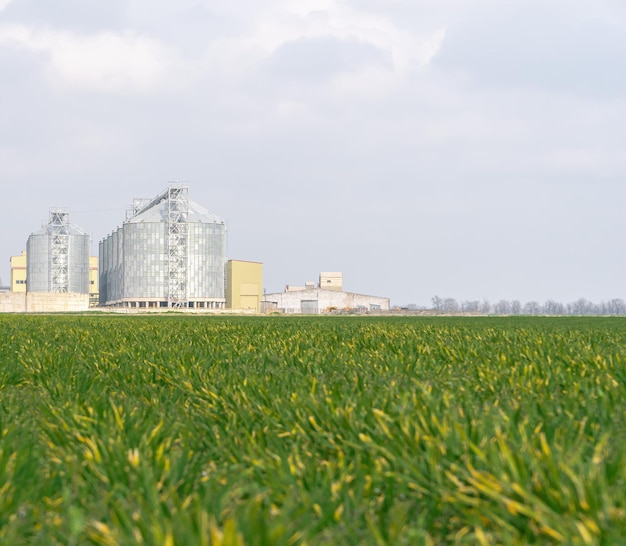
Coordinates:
[109,269]
[115,267]
[207,251]
[102,273]
[38,263]
[145,264]
[133,262]
[78,264]
[103,270]
[118,264]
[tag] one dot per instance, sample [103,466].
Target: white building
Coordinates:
[326,297]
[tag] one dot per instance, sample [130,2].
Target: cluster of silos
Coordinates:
[170,252]
[58,257]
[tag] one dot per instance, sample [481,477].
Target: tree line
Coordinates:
[581,306]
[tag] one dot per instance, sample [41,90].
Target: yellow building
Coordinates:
[94,293]
[244,285]
[18,272]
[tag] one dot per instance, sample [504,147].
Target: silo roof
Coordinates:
[66,229]
[159,212]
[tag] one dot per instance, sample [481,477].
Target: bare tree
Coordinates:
[503,307]
[470,306]
[551,307]
[616,307]
[532,308]
[580,307]
[450,305]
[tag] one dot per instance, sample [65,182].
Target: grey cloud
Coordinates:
[317,59]
[540,48]
[69,14]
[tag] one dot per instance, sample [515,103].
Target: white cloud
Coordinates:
[133,62]
[113,62]
[4,4]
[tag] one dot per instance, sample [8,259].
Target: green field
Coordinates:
[184,430]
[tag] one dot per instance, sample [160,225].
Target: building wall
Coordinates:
[18,273]
[13,302]
[93,281]
[244,285]
[42,302]
[331,281]
[319,301]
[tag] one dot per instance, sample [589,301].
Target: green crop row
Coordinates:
[185,430]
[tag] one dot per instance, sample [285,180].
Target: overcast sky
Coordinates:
[462,148]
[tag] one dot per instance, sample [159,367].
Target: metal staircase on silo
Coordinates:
[177,245]
[58,229]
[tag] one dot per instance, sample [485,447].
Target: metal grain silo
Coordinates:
[170,252]
[57,257]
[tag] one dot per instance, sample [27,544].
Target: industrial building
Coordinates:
[244,285]
[52,274]
[19,279]
[169,253]
[325,297]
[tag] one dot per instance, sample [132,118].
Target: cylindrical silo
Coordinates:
[57,257]
[169,253]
